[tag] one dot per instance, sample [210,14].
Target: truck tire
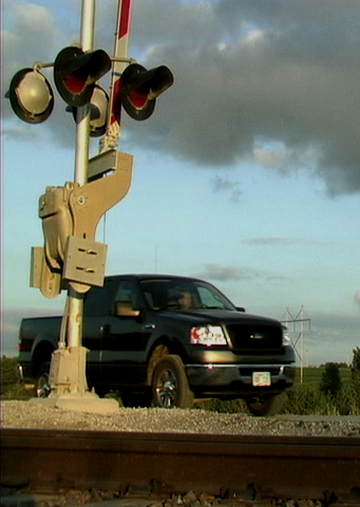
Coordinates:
[268,406]
[42,381]
[170,386]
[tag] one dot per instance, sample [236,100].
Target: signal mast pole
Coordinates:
[72,325]
[75,302]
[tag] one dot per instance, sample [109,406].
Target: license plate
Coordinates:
[261,378]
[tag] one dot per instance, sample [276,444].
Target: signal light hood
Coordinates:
[140,88]
[76,72]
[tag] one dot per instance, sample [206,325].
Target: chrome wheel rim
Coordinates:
[43,386]
[166,389]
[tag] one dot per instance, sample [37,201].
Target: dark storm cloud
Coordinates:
[275,82]
[284,71]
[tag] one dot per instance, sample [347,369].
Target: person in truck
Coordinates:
[186,300]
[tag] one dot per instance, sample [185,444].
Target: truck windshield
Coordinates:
[183,294]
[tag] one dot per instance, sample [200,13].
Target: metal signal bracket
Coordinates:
[84,261]
[70,216]
[90,201]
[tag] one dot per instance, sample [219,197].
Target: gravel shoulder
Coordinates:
[23,414]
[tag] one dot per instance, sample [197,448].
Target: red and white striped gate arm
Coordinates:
[121,50]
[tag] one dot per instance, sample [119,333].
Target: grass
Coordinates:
[11,387]
[303,399]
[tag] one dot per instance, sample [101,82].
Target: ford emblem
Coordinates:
[257,336]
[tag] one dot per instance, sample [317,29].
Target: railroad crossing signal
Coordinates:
[75,74]
[71,258]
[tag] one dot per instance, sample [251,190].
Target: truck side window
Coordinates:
[99,301]
[127,293]
[209,299]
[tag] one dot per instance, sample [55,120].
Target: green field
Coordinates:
[312,375]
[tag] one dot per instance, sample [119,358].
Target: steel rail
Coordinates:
[158,463]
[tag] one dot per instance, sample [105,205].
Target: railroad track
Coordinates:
[162,463]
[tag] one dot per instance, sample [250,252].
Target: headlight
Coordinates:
[207,335]
[286,341]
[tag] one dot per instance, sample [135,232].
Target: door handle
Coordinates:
[105,329]
[149,326]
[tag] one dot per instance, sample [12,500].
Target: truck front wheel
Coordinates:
[42,382]
[170,386]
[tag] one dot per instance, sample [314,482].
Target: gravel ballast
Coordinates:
[23,414]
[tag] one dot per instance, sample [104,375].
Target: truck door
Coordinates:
[123,348]
[98,303]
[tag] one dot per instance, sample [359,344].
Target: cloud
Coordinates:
[226,185]
[343,323]
[222,273]
[10,325]
[24,131]
[270,82]
[31,36]
[357,297]
[285,241]
[294,83]
[274,241]
[277,278]
[327,337]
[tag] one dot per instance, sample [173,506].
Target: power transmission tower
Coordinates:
[301,318]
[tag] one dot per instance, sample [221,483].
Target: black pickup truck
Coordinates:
[163,340]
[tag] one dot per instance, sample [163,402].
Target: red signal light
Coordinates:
[141,87]
[138,99]
[74,84]
[76,72]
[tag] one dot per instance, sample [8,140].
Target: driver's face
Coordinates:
[185,300]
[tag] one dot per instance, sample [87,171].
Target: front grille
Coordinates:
[254,338]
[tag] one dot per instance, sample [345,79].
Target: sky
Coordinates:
[247,174]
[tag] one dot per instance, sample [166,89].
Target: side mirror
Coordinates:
[125,309]
[240,309]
